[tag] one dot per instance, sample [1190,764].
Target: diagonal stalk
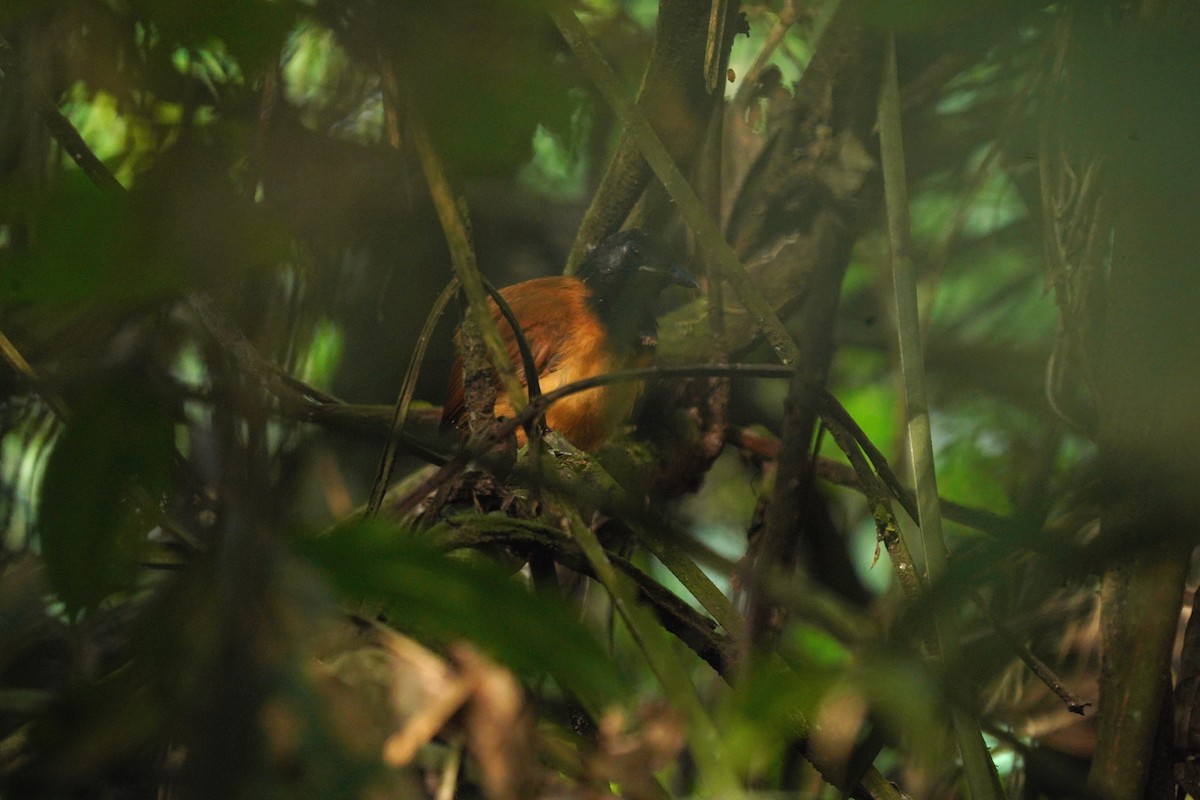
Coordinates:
[977,763]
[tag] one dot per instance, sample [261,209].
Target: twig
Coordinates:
[838,473]
[714,771]
[448,786]
[1075,704]
[17,361]
[676,616]
[528,365]
[887,529]
[408,387]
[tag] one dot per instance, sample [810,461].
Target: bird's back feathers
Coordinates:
[568,343]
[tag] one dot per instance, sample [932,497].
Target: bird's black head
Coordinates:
[631,259]
[626,272]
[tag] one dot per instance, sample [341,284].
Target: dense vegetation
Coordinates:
[947,249]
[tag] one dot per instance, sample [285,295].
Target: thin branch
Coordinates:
[836,472]
[677,617]
[532,385]
[886,527]
[404,400]
[1075,704]
[17,361]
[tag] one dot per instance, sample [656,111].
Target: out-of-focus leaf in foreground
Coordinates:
[247,29]
[483,102]
[119,439]
[445,598]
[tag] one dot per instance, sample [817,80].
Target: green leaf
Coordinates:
[919,15]
[769,707]
[181,226]
[252,30]
[486,81]
[121,438]
[82,247]
[445,598]
[815,649]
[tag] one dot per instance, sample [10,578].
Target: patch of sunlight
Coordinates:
[558,168]
[319,363]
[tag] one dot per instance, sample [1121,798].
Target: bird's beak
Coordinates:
[676,274]
[681,277]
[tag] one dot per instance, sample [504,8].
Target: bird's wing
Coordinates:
[546,308]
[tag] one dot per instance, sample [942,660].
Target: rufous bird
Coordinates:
[600,320]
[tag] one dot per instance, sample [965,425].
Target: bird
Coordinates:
[600,320]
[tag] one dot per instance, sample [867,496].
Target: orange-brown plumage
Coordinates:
[577,328]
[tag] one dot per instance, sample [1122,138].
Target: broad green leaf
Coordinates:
[446,598]
[88,528]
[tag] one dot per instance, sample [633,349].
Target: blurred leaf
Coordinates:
[484,75]
[183,225]
[17,9]
[323,354]
[768,708]
[559,165]
[982,452]
[120,438]
[84,246]
[813,647]
[194,222]
[904,694]
[998,296]
[446,598]
[252,30]
[907,15]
